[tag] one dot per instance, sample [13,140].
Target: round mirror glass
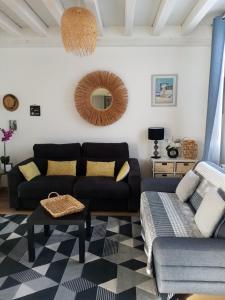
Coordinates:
[101,99]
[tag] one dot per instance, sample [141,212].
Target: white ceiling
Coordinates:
[121,22]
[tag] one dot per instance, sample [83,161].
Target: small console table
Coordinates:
[171,167]
[2,173]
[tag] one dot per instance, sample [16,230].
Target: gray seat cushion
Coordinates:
[189,252]
[193,261]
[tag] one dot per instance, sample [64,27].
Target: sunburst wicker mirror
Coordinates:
[101,98]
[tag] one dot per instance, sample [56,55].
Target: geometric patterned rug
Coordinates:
[114,267]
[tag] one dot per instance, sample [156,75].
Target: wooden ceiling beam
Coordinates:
[163,14]
[55,8]
[129,16]
[114,37]
[24,11]
[197,14]
[8,25]
[94,7]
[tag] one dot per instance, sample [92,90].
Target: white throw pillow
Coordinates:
[187,186]
[210,212]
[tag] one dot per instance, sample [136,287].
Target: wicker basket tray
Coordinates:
[61,205]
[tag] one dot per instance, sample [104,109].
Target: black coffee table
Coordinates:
[41,217]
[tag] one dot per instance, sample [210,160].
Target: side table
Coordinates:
[2,173]
[171,167]
[41,217]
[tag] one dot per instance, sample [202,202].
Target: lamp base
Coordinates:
[156,153]
[156,157]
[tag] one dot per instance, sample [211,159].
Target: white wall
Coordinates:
[48,76]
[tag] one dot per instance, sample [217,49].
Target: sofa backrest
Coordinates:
[106,150]
[57,151]
[89,151]
[118,152]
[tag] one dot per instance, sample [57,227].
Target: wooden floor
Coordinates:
[4,209]
[4,204]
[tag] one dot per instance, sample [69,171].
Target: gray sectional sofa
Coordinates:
[179,257]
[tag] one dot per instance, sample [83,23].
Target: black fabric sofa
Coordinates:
[104,192]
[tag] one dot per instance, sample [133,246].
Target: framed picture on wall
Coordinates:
[35,110]
[164,90]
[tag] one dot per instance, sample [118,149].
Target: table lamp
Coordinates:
[155,134]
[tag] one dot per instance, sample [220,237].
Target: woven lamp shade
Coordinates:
[79,31]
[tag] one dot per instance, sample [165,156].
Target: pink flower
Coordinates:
[7,134]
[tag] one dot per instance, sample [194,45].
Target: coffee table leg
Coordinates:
[88,224]
[31,249]
[46,230]
[81,242]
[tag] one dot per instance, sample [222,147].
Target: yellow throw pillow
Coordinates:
[97,168]
[123,172]
[62,167]
[29,171]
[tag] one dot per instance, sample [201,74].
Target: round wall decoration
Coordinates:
[10,102]
[101,98]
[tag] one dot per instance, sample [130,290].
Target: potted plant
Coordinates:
[6,136]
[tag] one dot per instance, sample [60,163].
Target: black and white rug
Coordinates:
[114,268]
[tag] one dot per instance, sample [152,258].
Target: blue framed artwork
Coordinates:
[164,90]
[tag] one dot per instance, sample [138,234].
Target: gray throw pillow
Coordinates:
[187,186]
[210,213]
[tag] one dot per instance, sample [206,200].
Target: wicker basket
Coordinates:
[61,205]
[189,149]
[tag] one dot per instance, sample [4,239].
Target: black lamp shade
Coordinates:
[156,133]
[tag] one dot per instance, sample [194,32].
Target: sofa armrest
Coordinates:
[14,179]
[134,181]
[189,252]
[166,185]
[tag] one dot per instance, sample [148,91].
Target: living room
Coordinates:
[105,88]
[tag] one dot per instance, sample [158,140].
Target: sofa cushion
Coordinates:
[97,168]
[57,151]
[29,171]
[83,164]
[104,192]
[187,186]
[39,188]
[211,176]
[203,188]
[62,168]
[210,213]
[220,231]
[123,172]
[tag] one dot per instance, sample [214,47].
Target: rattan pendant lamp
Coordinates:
[79,31]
